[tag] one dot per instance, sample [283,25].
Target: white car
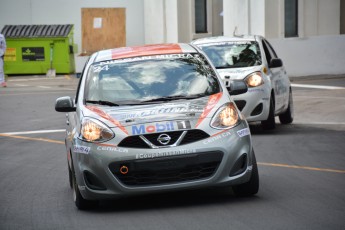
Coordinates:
[253,59]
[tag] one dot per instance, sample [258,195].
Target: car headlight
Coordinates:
[226,117]
[254,79]
[93,130]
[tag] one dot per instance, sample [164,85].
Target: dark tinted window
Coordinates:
[291,18]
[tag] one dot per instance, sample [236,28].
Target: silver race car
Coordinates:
[152,119]
[253,59]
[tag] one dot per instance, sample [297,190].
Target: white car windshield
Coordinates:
[233,54]
[150,78]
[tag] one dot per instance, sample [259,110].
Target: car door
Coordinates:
[280,82]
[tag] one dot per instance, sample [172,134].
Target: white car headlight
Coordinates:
[93,130]
[226,117]
[254,79]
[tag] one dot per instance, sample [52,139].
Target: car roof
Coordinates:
[146,50]
[225,39]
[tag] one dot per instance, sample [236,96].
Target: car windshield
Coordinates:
[233,54]
[150,79]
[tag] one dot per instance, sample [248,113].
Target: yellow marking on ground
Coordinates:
[259,163]
[67,77]
[32,139]
[301,167]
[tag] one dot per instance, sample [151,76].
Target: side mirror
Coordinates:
[237,87]
[64,104]
[276,62]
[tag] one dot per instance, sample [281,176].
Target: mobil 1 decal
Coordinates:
[167,126]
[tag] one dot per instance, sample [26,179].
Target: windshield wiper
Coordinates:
[177,97]
[100,102]
[226,67]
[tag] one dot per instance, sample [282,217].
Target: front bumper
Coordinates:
[255,104]
[223,159]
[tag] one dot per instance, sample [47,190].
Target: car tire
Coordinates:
[79,201]
[287,116]
[251,187]
[70,176]
[270,123]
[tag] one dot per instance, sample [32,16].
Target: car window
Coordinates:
[233,54]
[269,52]
[150,77]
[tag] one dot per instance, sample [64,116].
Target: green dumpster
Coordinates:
[34,49]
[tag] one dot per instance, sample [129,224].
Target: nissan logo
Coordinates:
[164,139]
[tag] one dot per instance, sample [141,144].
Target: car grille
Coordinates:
[137,142]
[167,170]
[240,104]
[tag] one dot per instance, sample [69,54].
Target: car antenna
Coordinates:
[235,31]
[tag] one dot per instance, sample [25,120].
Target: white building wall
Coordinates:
[154,21]
[246,16]
[161,21]
[236,16]
[171,21]
[185,20]
[316,55]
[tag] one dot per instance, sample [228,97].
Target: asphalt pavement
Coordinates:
[301,168]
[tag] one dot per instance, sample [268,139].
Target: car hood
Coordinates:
[137,114]
[237,73]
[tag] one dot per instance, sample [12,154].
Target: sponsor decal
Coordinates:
[243,132]
[101,65]
[81,149]
[112,149]
[165,154]
[256,90]
[212,101]
[225,43]
[160,127]
[280,87]
[217,137]
[167,109]
[106,116]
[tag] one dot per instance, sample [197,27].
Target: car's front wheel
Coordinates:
[252,186]
[287,116]
[270,123]
[78,199]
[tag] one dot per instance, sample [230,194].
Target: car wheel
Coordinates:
[287,116]
[252,186]
[70,177]
[270,122]
[78,199]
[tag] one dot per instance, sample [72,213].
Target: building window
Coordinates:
[291,18]
[200,16]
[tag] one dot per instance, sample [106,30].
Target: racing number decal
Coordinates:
[183,124]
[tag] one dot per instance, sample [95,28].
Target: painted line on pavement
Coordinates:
[301,167]
[259,163]
[317,123]
[15,135]
[44,87]
[316,86]
[35,132]
[32,139]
